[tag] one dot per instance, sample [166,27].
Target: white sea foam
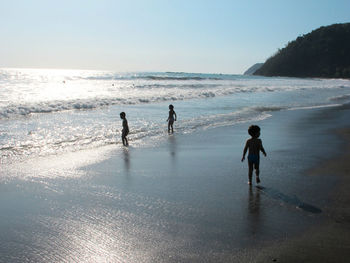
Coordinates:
[47,91]
[45,112]
[17,109]
[315,107]
[341,98]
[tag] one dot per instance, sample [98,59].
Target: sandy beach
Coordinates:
[128,132]
[186,199]
[329,242]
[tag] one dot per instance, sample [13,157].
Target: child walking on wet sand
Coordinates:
[171,118]
[254,145]
[125,130]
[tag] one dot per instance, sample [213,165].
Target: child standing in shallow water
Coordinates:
[125,130]
[254,145]
[171,118]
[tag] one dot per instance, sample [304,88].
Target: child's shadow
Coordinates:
[275,194]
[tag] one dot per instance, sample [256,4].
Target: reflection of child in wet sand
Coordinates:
[125,130]
[171,118]
[254,145]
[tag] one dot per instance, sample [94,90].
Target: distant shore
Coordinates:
[322,53]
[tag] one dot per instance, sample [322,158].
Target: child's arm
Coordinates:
[262,148]
[175,115]
[245,151]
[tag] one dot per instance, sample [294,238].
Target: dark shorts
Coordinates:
[254,159]
[124,133]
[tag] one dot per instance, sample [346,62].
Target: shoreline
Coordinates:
[291,248]
[185,199]
[328,239]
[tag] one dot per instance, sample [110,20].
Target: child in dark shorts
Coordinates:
[125,130]
[254,145]
[171,118]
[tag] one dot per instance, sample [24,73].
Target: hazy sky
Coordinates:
[193,36]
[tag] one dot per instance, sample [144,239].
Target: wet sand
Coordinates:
[186,199]
[329,242]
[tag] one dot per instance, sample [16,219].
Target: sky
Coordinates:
[156,35]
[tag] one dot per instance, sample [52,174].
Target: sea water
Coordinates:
[180,201]
[45,112]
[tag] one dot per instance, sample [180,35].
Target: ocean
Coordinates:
[45,111]
[69,190]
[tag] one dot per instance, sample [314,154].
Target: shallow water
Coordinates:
[69,191]
[184,200]
[44,112]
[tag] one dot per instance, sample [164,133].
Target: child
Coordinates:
[125,130]
[171,118]
[254,145]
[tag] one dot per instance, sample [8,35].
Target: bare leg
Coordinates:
[170,126]
[125,141]
[257,172]
[250,172]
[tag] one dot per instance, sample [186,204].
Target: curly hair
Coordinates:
[253,130]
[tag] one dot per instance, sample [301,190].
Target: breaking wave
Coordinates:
[162,76]
[341,98]
[147,95]
[89,103]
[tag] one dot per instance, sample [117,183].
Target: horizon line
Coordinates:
[111,70]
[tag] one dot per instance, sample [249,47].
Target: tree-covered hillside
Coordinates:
[325,52]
